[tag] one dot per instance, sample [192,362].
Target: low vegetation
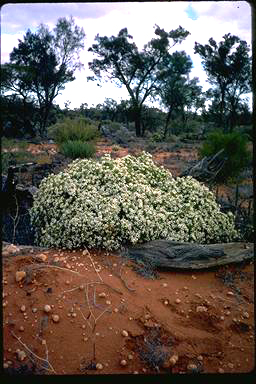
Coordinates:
[77,149]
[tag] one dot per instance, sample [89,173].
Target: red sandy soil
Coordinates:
[219,339]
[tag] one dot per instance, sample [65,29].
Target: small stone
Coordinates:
[200,358]
[99,366]
[108,302]
[6,365]
[149,289]
[21,328]
[201,308]
[55,318]
[177,301]
[221,370]
[85,338]
[147,316]
[125,333]
[102,294]
[227,313]
[83,326]
[166,302]
[198,295]
[123,363]
[130,318]
[165,285]
[42,257]
[34,310]
[47,308]
[21,355]
[173,360]
[135,372]
[9,349]
[23,308]
[185,288]
[245,315]
[97,334]
[116,310]
[193,277]
[67,282]
[222,318]
[230,365]
[191,367]
[130,356]
[20,275]
[73,314]
[230,293]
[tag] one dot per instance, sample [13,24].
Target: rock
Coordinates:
[21,355]
[42,257]
[20,275]
[173,360]
[177,301]
[102,294]
[99,366]
[201,308]
[245,315]
[192,367]
[55,318]
[125,333]
[23,308]
[47,308]
[123,363]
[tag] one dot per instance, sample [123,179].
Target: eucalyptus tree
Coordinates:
[43,63]
[228,67]
[119,60]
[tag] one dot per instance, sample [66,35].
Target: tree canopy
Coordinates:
[43,63]
[119,60]
[228,67]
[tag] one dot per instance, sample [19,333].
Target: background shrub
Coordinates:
[235,147]
[73,130]
[77,149]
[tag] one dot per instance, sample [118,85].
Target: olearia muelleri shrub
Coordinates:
[113,202]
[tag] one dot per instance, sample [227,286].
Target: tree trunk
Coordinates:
[137,120]
[167,122]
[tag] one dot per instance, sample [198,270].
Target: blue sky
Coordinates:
[203,19]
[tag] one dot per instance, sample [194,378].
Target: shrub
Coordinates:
[112,202]
[73,129]
[235,149]
[77,149]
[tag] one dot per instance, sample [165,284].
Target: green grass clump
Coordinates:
[235,150]
[77,149]
[73,130]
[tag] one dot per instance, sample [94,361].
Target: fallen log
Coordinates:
[167,254]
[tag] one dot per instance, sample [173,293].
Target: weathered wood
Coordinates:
[207,168]
[166,254]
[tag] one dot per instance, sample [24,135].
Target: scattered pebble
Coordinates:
[198,295]
[21,328]
[222,318]
[173,360]
[130,318]
[200,358]
[55,318]
[165,285]
[191,367]
[20,275]
[21,355]
[47,308]
[99,366]
[6,365]
[177,301]
[201,308]
[116,310]
[230,365]
[108,302]
[227,313]
[230,293]
[42,257]
[166,302]
[125,333]
[73,314]
[67,282]
[102,294]
[193,277]
[245,315]
[221,370]
[123,363]
[23,308]
[130,356]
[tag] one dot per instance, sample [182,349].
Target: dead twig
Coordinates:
[44,361]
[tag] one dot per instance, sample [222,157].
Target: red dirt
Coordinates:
[137,305]
[211,340]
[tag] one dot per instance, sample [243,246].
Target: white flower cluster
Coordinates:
[107,203]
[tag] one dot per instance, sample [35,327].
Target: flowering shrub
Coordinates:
[107,203]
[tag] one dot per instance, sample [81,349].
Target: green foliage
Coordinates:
[43,63]
[235,148]
[157,137]
[73,129]
[113,202]
[77,149]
